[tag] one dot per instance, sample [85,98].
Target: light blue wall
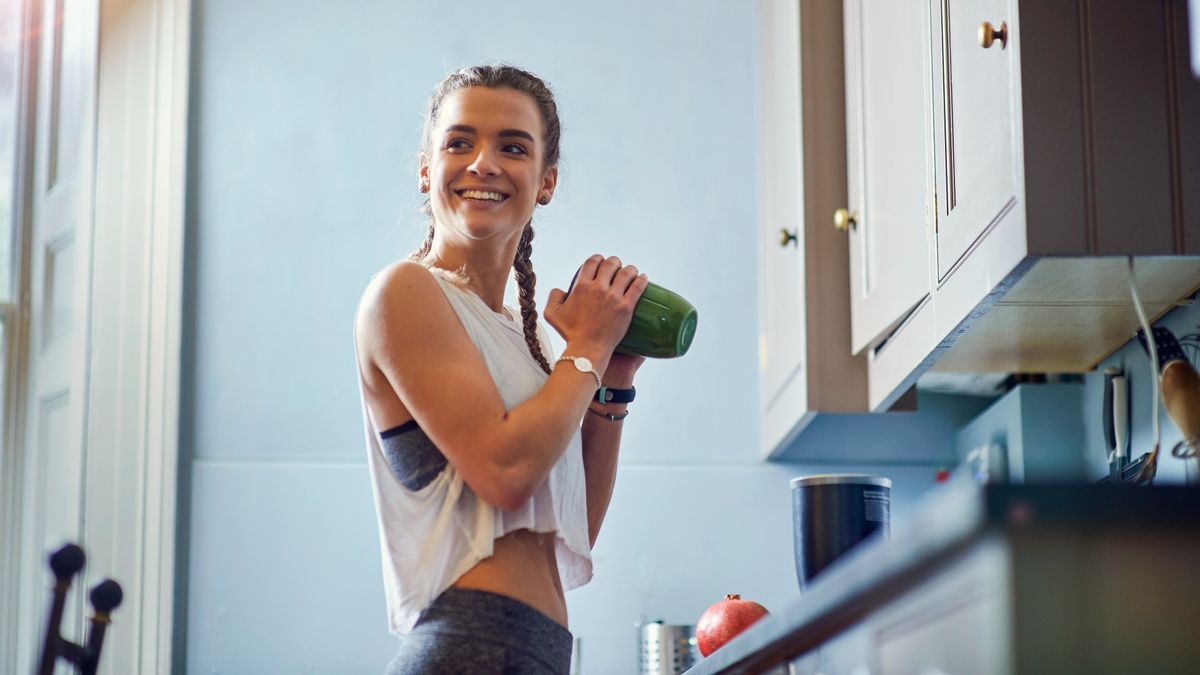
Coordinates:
[305,120]
[926,436]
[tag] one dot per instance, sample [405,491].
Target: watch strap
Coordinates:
[614,395]
[576,361]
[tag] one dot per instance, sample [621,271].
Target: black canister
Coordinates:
[834,512]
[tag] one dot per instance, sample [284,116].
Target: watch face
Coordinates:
[583,364]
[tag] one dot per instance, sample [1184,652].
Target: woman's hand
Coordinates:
[597,313]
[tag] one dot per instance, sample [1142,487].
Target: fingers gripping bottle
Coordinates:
[662,327]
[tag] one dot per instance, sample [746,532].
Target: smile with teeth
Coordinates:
[480,195]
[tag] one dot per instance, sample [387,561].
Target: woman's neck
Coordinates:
[486,269]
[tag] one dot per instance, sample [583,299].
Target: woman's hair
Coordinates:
[502,77]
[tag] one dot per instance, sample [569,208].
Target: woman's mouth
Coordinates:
[481,195]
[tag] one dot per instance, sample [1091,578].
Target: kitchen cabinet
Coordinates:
[975,156]
[956,624]
[805,364]
[887,150]
[1056,143]
[808,374]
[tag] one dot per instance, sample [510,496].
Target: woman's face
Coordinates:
[484,166]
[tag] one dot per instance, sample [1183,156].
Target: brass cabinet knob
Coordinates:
[843,220]
[989,34]
[786,238]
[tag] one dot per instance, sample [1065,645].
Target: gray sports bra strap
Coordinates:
[413,459]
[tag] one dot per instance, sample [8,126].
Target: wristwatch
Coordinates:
[583,364]
[613,395]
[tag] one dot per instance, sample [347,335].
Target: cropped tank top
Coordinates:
[432,526]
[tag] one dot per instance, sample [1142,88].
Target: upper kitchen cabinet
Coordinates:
[1064,135]
[975,152]
[806,366]
[887,216]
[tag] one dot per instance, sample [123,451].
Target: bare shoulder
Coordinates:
[406,289]
[402,302]
[397,287]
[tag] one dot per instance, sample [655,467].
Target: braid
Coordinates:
[420,254]
[526,279]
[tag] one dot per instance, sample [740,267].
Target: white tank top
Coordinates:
[432,527]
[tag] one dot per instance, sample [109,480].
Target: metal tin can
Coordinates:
[832,513]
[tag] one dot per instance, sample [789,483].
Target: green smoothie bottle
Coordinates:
[663,324]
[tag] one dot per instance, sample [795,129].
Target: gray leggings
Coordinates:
[483,633]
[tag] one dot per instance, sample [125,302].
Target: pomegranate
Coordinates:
[721,622]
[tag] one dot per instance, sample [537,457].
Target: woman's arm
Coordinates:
[602,443]
[413,343]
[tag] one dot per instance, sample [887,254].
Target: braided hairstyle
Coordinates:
[497,77]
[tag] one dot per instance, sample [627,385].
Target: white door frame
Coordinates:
[133,361]
[133,437]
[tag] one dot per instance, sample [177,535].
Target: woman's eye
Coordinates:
[515,149]
[457,144]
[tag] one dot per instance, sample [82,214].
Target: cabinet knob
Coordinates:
[989,34]
[786,238]
[843,220]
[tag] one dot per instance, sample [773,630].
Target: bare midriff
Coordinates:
[523,567]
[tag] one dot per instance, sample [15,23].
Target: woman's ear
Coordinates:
[423,174]
[549,180]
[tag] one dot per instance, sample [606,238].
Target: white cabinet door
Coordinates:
[782,344]
[887,150]
[53,452]
[975,153]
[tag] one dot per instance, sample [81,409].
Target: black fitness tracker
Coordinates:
[612,395]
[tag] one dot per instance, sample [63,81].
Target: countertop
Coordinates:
[946,522]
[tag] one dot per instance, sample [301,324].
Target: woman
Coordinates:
[490,491]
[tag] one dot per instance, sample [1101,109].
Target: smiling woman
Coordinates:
[493,174]
[489,491]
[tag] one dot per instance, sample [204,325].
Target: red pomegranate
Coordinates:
[721,622]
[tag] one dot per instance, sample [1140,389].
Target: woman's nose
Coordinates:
[483,164]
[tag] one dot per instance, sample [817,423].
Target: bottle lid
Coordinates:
[841,479]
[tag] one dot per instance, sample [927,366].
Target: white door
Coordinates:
[975,158]
[783,384]
[53,451]
[886,161]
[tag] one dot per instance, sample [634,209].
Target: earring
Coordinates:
[544,200]
[424,185]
